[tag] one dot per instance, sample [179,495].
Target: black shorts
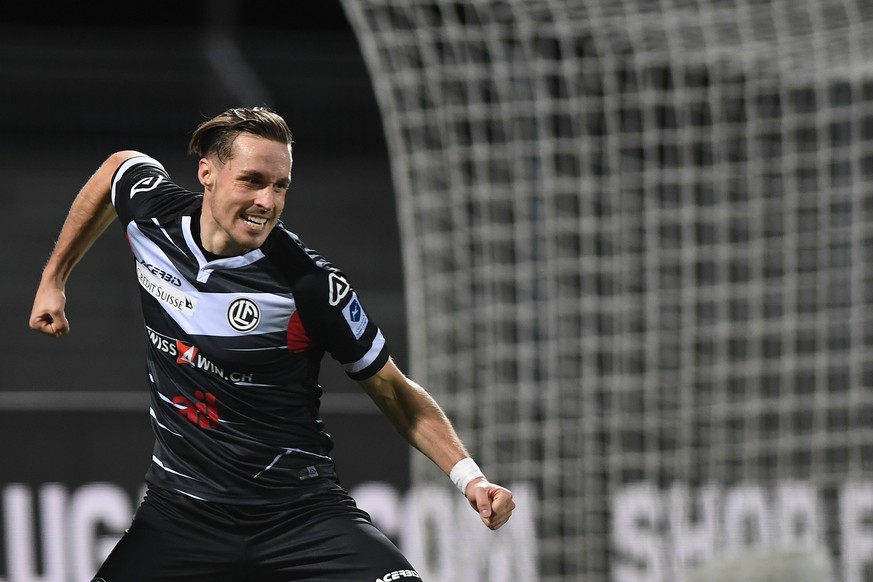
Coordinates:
[323,537]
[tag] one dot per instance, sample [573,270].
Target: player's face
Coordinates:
[243,198]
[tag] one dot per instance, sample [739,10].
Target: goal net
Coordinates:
[638,255]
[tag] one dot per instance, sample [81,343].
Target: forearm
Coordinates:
[431,432]
[417,417]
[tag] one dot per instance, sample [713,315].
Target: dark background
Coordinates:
[76,84]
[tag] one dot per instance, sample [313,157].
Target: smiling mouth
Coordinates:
[254,220]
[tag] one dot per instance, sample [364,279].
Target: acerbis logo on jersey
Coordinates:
[161,274]
[146,184]
[337,288]
[397,575]
[166,294]
[243,315]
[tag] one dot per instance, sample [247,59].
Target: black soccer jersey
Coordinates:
[234,348]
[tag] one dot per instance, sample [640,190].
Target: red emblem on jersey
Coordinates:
[203,413]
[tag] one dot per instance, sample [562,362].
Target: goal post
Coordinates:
[638,257]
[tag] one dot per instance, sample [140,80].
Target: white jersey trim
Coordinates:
[369,357]
[126,165]
[206,268]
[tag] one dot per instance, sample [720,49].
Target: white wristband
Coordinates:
[463,472]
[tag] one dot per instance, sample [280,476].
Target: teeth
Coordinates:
[259,220]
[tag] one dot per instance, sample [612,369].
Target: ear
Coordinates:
[206,173]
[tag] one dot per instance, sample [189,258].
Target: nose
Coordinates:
[265,199]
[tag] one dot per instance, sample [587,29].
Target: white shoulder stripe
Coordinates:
[127,164]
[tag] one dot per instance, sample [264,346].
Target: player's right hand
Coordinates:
[48,315]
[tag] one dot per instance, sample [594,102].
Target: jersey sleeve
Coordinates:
[335,318]
[141,187]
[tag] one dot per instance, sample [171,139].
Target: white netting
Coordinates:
[637,247]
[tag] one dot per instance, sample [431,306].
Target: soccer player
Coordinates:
[238,313]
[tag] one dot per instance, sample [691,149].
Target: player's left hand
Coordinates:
[493,502]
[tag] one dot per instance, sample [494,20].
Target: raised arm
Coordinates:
[420,420]
[89,216]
